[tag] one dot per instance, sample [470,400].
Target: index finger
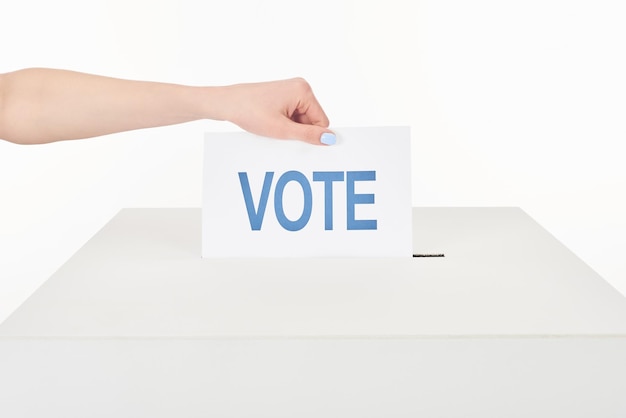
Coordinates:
[313,111]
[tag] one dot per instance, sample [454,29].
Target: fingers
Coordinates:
[314,113]
[302,119]
[309,122]
[309,108]
[313,134]
[285,109]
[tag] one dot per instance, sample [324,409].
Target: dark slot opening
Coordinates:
[428,255]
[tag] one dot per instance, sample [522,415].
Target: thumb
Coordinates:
[312,134]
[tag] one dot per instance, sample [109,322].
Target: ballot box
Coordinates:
[493,317]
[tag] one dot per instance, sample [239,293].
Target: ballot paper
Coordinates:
[285,198]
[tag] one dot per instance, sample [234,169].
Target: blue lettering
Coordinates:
[301,222]
[354,199]
[255,216]
[328,177]
[256,213]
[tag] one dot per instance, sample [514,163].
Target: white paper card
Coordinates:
[270,198]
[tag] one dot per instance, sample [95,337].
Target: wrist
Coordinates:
[213,103]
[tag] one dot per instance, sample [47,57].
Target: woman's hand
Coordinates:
[285,109]
[41,105]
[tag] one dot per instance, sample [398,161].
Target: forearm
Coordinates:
[45,105]
[40,105]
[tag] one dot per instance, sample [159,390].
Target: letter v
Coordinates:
[255,216]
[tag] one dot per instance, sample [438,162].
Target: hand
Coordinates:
[285,109]
[42,105]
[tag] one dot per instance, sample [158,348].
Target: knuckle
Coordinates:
[302,84]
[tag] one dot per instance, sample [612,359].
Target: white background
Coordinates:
[509,103]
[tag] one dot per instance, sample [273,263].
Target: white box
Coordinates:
[508,323]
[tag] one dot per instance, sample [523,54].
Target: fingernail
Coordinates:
[328,138]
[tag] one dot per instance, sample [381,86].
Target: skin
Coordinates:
[39,105]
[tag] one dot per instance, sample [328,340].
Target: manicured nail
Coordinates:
[328,139]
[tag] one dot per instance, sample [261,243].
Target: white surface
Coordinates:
[227,226]
[502,274]
[510,104]
[510,323]
[335,378]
